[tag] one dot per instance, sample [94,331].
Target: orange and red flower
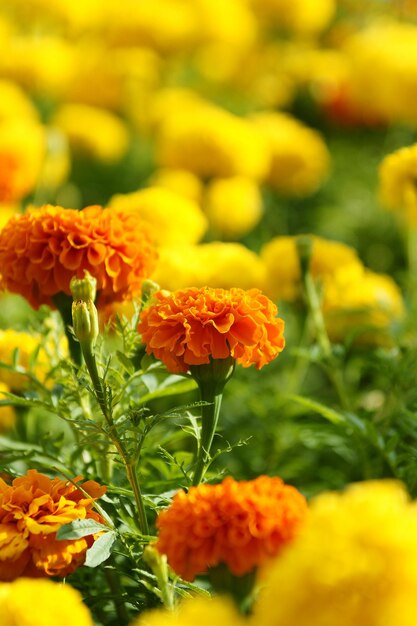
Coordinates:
[32,509]
[239,523]
[41,250]
[191,326]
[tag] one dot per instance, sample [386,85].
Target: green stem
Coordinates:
[209,418]
[329,365]
[131,470]
[130,466]
[113,581]
[211,378]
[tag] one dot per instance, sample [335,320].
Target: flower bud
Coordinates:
[85,322]
[84,288]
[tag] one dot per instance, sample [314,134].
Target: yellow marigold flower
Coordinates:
[304,17]
[192,326]
[26,345]
[43,65]
[14,103]
[7,413]
[397,182]
[233,206]
[114,78]
[183,182]
[210,141]
[32,509]
[93,132]
[22,152]
[172,218]
[240,523]
[355,562]
[215,264]
[28,602]
[300,159]
[41,250]
[167,26]
[391,47]
[198,610]
[7,210]
[283,266]
[361,302]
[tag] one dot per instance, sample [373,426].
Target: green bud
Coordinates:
[85,322]
[149,287]
[84,288]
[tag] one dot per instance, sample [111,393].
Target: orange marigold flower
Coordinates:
[239,523]
[32,509]
[41,250]
[190,326]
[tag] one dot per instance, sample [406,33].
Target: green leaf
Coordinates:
[79,528]
[100,550]
[181,387]
[330,414]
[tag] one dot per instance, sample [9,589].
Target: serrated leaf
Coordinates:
[80,528]
[100,550]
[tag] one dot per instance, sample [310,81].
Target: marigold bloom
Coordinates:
[303,17]
[355,562]
[198,610]
[215,264]
[397,182]
[391,46]
[22,152]
[300,159]
[41,250]
[192,326]
[183,182]
[28,602]
[361,303]
[93,132]
[240,523]
[210,142]
[32,509]
[26,345]
[233,206]
[283,265]
[172,218]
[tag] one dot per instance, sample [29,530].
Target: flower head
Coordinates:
[203,611]
[32,509]
[361,302]
[29,355]
[192,326]
[50,603]
[215,264]
[355,562]
[41,250]
[239,523]
[233,206]
[283,264]
[172,218]
[299,157]
[397,187]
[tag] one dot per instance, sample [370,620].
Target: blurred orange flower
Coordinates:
[32,509]
[240,523]
[190,326]
[43,249]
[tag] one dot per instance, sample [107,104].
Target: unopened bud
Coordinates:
[149,287]
[85,322]
[84,288]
